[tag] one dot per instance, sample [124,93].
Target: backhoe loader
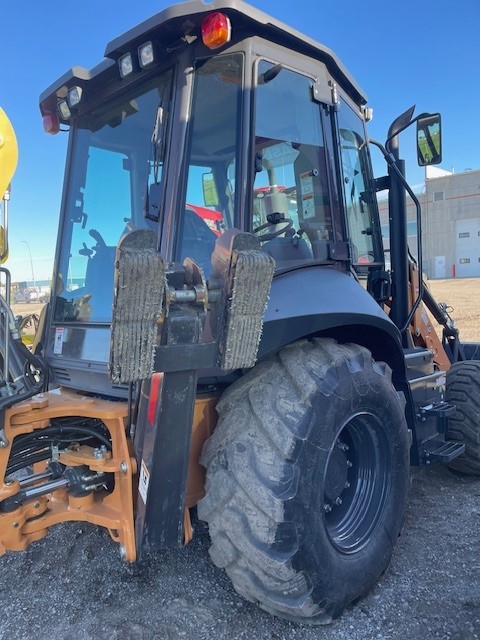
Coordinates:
[222,331]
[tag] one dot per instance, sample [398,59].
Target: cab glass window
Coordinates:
[356,185]
[208,207]
[117,153]
[292,212]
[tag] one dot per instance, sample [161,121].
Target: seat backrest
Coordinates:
[288,251]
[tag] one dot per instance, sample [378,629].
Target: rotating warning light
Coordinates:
[216,30]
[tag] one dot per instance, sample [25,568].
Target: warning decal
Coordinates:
[58,343]
[308,202]
[143,481]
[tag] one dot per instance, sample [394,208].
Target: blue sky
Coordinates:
[428,54]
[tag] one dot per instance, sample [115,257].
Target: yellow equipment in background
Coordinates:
[8,164]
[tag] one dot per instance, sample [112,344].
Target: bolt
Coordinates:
[338,501]
[341,445]
[3,442]
[15,525]
[98,454]
[349,464]
[327,508]
[103,449]
[36,505]
[123,467]
[347,485]
[123,552]
[8,483]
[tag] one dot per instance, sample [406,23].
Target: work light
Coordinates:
[74,96]
[145,54]
[126,65]
[64,110]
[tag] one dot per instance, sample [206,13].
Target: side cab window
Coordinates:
[292,208]
[357,189]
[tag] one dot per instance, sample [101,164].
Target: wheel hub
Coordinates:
[337,472]
[356,482]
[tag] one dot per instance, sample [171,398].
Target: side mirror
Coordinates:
[210,195]
[429,140]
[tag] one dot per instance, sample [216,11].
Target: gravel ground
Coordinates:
[73,584]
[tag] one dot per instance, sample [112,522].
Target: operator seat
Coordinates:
[287,251]
[99,279]
[198,241]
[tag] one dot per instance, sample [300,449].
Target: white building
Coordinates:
[450,224]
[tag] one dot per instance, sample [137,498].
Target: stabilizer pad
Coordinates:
[251,274]
[138,300]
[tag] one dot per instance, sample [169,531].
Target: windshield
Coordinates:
[117,153]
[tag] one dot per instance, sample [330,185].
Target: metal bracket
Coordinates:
[325,93]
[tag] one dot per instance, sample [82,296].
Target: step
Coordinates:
[437,409]
[440,450]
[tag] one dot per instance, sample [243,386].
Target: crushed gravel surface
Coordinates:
[73,584]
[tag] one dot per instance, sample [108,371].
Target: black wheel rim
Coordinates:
[356,482]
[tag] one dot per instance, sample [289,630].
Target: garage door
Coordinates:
[468,248]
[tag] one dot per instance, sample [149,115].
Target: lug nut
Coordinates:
[338,501]
[349,464]
[327,508]
[347,485]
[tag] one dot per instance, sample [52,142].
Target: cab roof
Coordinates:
[185,18]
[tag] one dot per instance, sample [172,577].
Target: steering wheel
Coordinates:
[284,224]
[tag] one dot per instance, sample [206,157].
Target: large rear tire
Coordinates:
[307,479]
[463,390]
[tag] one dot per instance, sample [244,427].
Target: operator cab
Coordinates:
[189,128]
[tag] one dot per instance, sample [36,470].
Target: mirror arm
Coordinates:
[391,163]
[402,128]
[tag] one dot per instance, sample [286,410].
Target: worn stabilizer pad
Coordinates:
[251,276]
[138,300]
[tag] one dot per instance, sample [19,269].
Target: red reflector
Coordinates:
[216,30]
[155,387]
[51,123]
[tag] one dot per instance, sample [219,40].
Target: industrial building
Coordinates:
[450,224]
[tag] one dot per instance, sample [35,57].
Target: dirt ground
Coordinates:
[463,297]
[74,585]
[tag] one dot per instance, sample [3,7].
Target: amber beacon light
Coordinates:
[216,30]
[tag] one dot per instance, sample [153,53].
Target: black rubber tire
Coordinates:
[463,390]
[273,459]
